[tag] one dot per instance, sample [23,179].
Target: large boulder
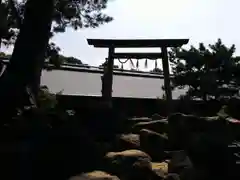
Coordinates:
[233,157]
[103,122]
[177,131]
[232,107]
[127,141]
[160,168]
[205,139]
[66,154]
[154,144]
[159,126]
[209,153]
[182,126]
[129,164]
[157,117]
[139,119]
[181,164]
[194,123]
[234,128]
[95,175]
[135,120]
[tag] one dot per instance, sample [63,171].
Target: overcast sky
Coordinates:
[198,20]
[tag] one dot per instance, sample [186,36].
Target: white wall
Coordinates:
[81,83]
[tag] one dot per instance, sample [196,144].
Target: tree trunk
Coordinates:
[27,59]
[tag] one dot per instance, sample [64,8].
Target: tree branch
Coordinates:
[15,12]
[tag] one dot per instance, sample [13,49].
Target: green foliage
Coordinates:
[11,16]
[103,65]
[45,99]
[68,13]
[44,103]
[57,59]
[70,60]
[209,72]
[3,55]
[44,111]
[79,14]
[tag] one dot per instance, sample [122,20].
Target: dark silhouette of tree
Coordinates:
[208,72]
[57,62]
[157,71]
[105,64]
[41,19]
[60,59]
[71,60]
[4,55]
[77,14]
[67,13]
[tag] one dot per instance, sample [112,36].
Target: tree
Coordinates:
[105,64]
[71,60]
[27,60]
[156,70]
[209,73]
[57,62]
[66,13]
[5,56]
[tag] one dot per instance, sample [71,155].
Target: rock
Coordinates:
[232,107]
[140,119]
[177,131]
[179,161]
[172,176]
[182,126]
[205,140]
[104,123]
[104,147]
[65,155]
[132,121]
[133,153]
[194,123]
[160,168]
[213,155]
[129,164]
[157,117]
[154,144]
[233,165]
[181,164]
[208,152]
[95,175]
[128,141]
[234,127]
[159,126]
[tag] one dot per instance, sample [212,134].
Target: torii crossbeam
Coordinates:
[111,44]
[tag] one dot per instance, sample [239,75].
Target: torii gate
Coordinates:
[111,44]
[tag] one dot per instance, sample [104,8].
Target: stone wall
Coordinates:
[139,107]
